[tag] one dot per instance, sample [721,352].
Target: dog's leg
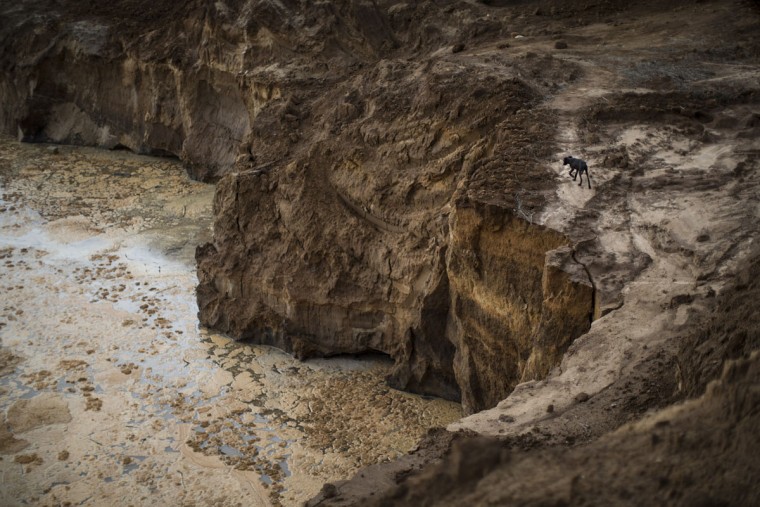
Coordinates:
[588,179]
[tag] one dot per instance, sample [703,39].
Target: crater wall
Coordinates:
[489,302]
[373,176]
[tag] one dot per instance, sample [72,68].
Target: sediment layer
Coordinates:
[492,301]
[375,185]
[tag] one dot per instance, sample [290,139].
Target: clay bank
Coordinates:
[387,183]
[350,216]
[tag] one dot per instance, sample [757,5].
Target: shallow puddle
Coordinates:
[109,392]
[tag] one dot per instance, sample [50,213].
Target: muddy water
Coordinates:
[109,392]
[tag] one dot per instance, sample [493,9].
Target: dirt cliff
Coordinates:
[397,229]
[389,179]
[665,112]
[195,79]
[699,452]
[360,152]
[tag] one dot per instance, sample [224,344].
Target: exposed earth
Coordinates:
[110,393]
[389,180]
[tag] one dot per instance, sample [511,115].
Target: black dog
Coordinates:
[580,167]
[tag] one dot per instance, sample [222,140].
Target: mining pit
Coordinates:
[327,253]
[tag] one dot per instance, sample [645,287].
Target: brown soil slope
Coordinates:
[701,452]
[389,179]
[665,112]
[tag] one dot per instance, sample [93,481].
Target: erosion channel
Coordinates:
[361,274]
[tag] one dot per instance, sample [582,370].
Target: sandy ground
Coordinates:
[670,225]
[111,395]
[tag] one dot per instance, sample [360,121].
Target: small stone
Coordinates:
[457,48]
[63,455]
[329,490]
[506,418]
[560,45]
[550,409]
[582,398]
[681,299]
[24,459]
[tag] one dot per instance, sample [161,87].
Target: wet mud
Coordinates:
[109,392]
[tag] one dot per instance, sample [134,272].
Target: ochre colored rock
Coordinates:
[518,301]
[356,164]
[487,302]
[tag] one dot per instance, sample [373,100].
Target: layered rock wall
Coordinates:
[76,83]
[518,301]
[148,108]
[492,301]
[367,169]
[187,79]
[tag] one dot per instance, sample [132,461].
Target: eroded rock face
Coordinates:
[369,240]
[81,88]
[518,301]
[196,79]
[488,302]
[218,84]
[364,154]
